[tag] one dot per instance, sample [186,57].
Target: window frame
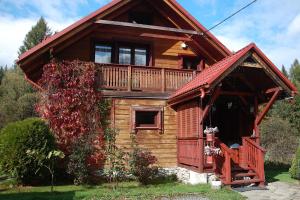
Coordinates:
[158,118]
[115,45]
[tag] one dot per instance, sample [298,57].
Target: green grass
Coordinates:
[278,172]
[129,190]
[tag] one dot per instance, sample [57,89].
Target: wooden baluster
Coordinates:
[163,80]
[129,84]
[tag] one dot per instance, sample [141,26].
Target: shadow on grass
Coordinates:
[273,170]
[38,196]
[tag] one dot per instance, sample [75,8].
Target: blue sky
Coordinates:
[273,24]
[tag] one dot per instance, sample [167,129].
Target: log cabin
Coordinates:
[169,78]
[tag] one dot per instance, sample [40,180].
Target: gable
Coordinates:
[167,13]
[256,69]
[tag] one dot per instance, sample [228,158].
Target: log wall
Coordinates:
[161,144]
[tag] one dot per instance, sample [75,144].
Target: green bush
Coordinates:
[18,137]
[295,168]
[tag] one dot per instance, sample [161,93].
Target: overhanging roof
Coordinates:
[47,43]
[210,75]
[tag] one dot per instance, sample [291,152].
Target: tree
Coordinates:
[46,161]
[295,72]
[36,35]
[17,98]
[1,74]
[283,70]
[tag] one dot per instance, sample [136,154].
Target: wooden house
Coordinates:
[169,78]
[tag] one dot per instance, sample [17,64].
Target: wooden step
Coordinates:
[248,174]
[240,182]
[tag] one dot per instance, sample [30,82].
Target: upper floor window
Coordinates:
[141,18]
[124,54]
[103,54]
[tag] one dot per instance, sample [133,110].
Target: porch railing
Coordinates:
[135,78]
[223,162]
[254,157]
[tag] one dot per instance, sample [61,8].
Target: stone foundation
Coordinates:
[188,176]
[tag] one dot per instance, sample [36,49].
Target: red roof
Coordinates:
[211,74]
[47,42]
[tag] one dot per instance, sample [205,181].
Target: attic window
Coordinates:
[141,18]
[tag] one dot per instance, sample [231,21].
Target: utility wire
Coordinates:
[243,8]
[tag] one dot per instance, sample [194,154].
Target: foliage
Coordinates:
[70,100]
[78,161]
[2,71]
[295,168]
[295,72]
[283,70]
[116,158]
[46,161]
[15,139]
[17,98]
[131,190]
[36,35]
[279,138]
[142,164]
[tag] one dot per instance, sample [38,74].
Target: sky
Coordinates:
[274,25]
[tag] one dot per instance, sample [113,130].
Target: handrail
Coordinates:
[255,157]
[143,67]
[223,163]
[255,144]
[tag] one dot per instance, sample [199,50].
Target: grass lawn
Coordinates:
[278,172]
[128,190]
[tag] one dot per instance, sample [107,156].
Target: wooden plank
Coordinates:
[143,26]
[267,108]
[165,37]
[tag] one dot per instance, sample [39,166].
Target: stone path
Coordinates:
[275,191]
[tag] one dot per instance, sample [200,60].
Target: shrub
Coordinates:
[141,164]
[279,138]
[78,161]
[15,139]
[295,168]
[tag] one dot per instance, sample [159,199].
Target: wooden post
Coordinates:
[227,168]
[200,140]
[163,80]
[129,86]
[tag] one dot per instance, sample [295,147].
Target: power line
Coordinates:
[243,8]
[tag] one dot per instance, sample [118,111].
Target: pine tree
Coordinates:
[35,35]
[295,72]
[1,74]
[283,70]
[17,97]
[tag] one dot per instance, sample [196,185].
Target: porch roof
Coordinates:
[211,74]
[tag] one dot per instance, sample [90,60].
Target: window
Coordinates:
[103,54]
[122,53]
[190,62]
[124,56]
[141,18]
[140,57]
[147,118]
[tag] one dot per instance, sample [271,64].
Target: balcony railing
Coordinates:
[135,78]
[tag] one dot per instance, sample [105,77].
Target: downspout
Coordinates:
[200,133]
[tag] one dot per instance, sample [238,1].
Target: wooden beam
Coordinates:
[144,26]
[168,37]
[251,65]
[213,98]
[267,108]
[272,90]
[236,93]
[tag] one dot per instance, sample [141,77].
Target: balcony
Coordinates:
[143,79]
